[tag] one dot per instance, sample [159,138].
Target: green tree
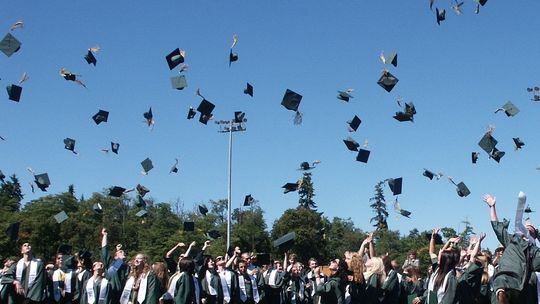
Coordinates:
[250,233]
[378,204]
[341,236]
[387,242]
[306,192]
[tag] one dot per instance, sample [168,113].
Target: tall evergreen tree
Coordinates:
[378,204]
[306,192]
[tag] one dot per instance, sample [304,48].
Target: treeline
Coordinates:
[162,227]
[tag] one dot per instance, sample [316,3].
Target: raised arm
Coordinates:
[476,248]
[285,260]
[103,237]
[188,251]
[170,252]
[371,247]
[432,249]
[232,260]
[365,243]
[491,201]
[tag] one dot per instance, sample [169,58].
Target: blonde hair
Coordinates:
[375,265]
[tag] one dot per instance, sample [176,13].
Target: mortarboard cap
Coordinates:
[518,143]
[64,249]
[528,210]
[205,107]
[401,116]
[98,208]
[248,90]
[428,174]
[142,190]
[291,100]
[363,156]
[85,254]
[100,116]
[285,242]
[351,144]
[344,95]
[174,58]
[262,259]
[441,15]
[204,118]
[248,200]
[69,144]
[9,45]
[392,59]
[148,116]
[213,235]
[142,213]
[116,191]
[189,226]
[487,143]
[12,231]
[395,185]
[42,181]
[305,166]
[141,203]
[61,217]
[290,187]
[174,168]
[474,157]
[69,262]
[509,109]
[147,165]
[481,2]
[203,210]
[354,123]
[90,58]
[14,92]
[496,154]
[191,113]
[115,147]
[178,82]
[239,117]
[405,213]
[438,238]
[232,57]
[387,81]
[462,189]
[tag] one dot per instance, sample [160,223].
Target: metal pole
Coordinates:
[229,192]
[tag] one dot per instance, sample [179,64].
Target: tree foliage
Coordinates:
[378,204]
[306,192]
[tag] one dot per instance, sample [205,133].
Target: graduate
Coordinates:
[228,281]
[183,286]
[311,286]
[5,289]
[141,286]
[83,273]
[333,290]
[374,277]
[355,291]
[57,279]
[248,285]
[28,278]
[116,269]
[295,289]
[97,288]
[210,281]
[273,283]
[391,286]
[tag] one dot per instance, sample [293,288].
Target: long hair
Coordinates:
[186,265]
[448,262]
[136,272]
[356,265]
[161,273]
[375,266]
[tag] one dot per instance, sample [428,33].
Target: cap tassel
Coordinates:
[16,25]
[298,118]
[24,78]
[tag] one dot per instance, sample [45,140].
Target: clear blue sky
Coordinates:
[456,74]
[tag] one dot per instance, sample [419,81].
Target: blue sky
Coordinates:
[456,74]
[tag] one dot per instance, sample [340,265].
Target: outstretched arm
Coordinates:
[432,250]
[170,252]
[365,243]
[103,237]
[476,248]
[186,254]
[491,201]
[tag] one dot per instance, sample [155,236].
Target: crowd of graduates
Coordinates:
[466,275]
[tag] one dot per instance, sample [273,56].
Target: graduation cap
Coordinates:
[462,190]
[213,235]
[291,100]
[61,217]
[142,190]
[248,200]
[345,95]
[9,45]
[351,144]
[174,168]
[387,81]
[175,58]
[239,117]
[428,174]
[496,154]
[191,113]
[395,185]
[248,90]
[474,157]
[149,117]
[290,187]
[408,115]
[64,249]
[304,166]
[437,237]
[69,144]
[262,259]
[392,59]
[189,226]
[488,142]
[142,213]
[12,231]
[42,181]
[203,210]
[178,82]
[205,108]
[518,143]
[528,210]
[116,191]
[232,57]
[403,212]
[363,155]
[90,58]
[97,208]
[141,203]
[115,147]
[100,116]
[354,123]
[441,15]
[147,165]
[14,92]
[481,2]
[509,109]
[285,242]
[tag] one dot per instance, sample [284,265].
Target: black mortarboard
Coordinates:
[116,191]
[344,95]
[213,235]
[487,143]
[203,210]
[387,81]
[437,237]
[9,45]
[474,157]
[142,190]
[189,226]
[232,57]
[42,181]
[518,143]
[354,123]
[509,109]
[290,187]
[12,231]
[174,168]
[496,154]
[90,58]
[205,107]
[61,217]
[174,58]
[64,249]
[14,92]
[178,82]
[351,144]
[401,116]
[100,116]
[395,185]
[462,189]
[262,259]
[248,90]
[392,59]
[239,116]
[148,116]
[98,208]
[285,242]
[115,147]
[363,156]
[147,165]
[528,210]
[405,213]
[428,174]
[291,100]
[191,113]
[141,203]
[69,144]
[204,118]
[481,2]
[441,15]
[141,213]
[305,166]
[248,200]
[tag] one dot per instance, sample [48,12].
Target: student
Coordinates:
[116,270]
[211,289]
[141,286]
[273,283]
[332,291]
[374,277]
[229,281]
[311,286]
[183,286]
[355,291]
[97,288]
[5,289]
[248,285]
[295,289]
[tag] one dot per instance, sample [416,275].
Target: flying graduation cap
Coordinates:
[61,217]
[116,191]
[89,57]
[69,144]
[42,181]
[205,108]
[354,123]
[203,210]
[392,59]
[518,143]
[191,113]
[461,189]
[67,75]
[535,90]
[14,92]
[290,187]
[175,58]
[351,144]
[248,90]
[179,82]
[9,45]
[345,95]
[528,210]
[440,15]
[509,109]
[474,157]
[387,81]
[291,101]
[395,185]
[115,147]
[149,118]
[147,166]
[232,55]
[213,235]
[398,209]
[488,143]
[174,168]
[408,114]
[100,116]
[363,155]
[248,200]
[429,174]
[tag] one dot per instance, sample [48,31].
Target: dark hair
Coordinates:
[448,262]
[186,265]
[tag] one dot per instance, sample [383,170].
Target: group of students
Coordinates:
[469,275]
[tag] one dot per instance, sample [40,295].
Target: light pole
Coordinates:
[229,126]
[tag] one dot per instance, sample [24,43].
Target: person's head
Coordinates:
[292,258]
[312,263]
[296,270]
[246,256]
[533,232]
[140,260]
[186,265]
[448,259]
[160,269]
[412,255]
[277,265]
[98,268]
[395,265]
[333,267]
[220,261]
[356,266]
[120,254]
[387,263]
[26,248]
[58,260]
[209,262]
[242,266]
[8,262]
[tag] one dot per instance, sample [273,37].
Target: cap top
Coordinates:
[100,116]
[344,95]
[428,174]
[191,113]
[179,82]
[14,92]
[351,144]
[147,165]
[115,147]
[462,190]
[213,235]
[203,210]
[42,181]
[291,100]
[395,185]
[9,45]
[363,156]
[248,200]
[509,109]
[354,123]
[174,58]
[90,58]
[248,90]
[387,81]
[189,226]
[69,144]
[286,241]
[141,213]
[61,217]
[290,187]
[116,191]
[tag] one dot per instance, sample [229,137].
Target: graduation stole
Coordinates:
[197,291]
[33,271]
[57,277]
[142,288]
[211,290]
[169,295]
[102,291]
[115,266]
[441,291]
[272,278]
[242,284]
[124,299]
[80,275]
[225,278]
[67,280]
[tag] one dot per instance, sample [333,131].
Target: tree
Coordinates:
[306,192]
[465,235]
[378,204]
[341,236]
[250,233]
